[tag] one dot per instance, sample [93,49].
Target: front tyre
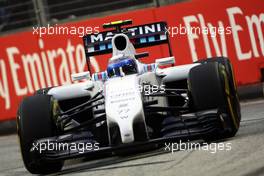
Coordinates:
[210,86]
[231,78]
[34,121]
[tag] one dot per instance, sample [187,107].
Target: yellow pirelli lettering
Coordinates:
[227,90]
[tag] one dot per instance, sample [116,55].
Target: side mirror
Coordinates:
[80,76]
[165,61]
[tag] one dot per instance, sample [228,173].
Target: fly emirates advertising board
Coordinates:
[46,56]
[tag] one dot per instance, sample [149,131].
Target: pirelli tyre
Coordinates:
[34,121]
[211,87]
[230,73]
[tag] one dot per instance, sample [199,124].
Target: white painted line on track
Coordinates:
[254,102]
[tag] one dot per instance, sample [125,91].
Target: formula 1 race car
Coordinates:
[130,105]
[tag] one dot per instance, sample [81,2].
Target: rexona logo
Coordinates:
[133,31]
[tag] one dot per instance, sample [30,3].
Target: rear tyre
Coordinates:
[212,87]
[43,91]
[34,121]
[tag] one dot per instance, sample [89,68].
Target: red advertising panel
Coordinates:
[219,28]
[44,57]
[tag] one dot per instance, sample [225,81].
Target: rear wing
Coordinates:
[141,36]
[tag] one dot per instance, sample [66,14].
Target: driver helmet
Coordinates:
[121,67]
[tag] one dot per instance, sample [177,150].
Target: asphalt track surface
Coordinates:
[246,156]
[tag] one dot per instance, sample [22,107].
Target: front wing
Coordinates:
[196,126]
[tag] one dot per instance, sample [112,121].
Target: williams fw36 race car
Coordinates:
[129,106]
